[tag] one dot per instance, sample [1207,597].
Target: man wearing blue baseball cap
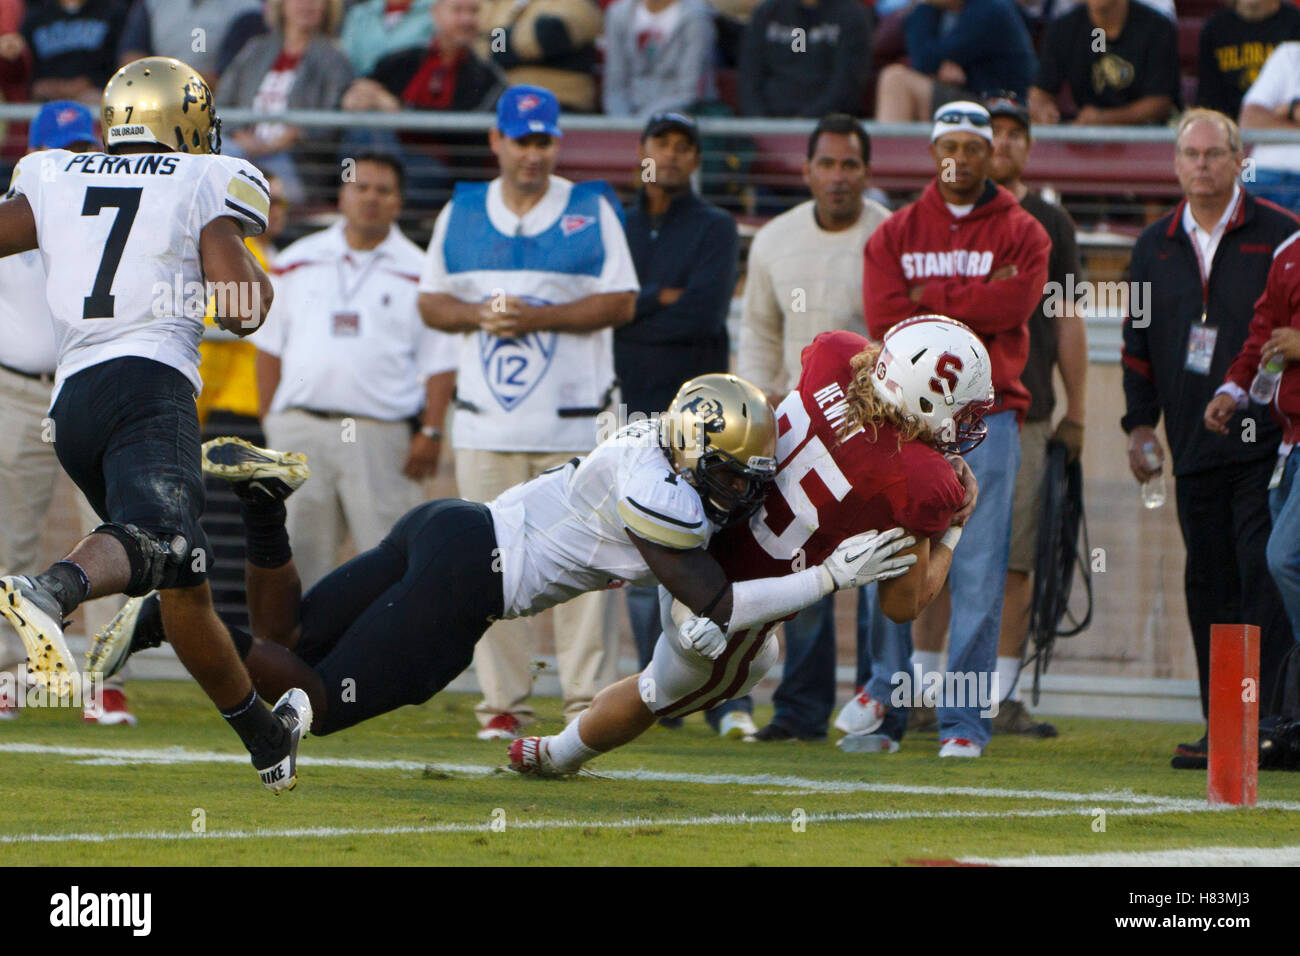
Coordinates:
[29,470]
[533,272]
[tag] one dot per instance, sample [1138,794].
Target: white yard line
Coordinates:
[1197,856]
[99,756]
[742,819]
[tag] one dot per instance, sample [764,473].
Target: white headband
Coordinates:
[962,115]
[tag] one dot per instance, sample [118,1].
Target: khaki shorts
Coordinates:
[1027,501]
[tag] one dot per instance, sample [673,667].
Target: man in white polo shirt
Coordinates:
[349,376]
[534,272]
[29,470]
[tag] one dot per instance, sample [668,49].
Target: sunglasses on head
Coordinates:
[956,117]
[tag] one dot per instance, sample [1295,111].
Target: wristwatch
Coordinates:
[428,431]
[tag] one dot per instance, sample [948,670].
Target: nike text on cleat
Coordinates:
[136,627]
[528,755]
[38,619]
[260,473]
[861,715]
[279,770]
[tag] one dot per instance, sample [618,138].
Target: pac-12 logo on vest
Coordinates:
[513,367]
[570,224]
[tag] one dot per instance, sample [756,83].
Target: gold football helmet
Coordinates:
[160,100]
[721,436]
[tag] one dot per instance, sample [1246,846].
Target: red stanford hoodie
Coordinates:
[951,258]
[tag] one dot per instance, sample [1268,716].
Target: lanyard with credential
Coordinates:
[345,293]
[1200,259]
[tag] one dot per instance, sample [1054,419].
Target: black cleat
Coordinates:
[256,474]
[774,732]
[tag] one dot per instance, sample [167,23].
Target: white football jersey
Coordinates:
[119,236]
[565,532]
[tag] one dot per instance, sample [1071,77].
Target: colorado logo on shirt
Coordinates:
[957,262]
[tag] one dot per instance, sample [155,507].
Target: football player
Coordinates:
[128,238]
[394,625]
[862,447]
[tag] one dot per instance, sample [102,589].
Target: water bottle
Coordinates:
[1266,379]
[1153,489]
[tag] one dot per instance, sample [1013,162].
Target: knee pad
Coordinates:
[156,560]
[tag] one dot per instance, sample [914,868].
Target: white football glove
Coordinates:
[701,635]
[873,556]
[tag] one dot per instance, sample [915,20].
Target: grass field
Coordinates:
[416,787]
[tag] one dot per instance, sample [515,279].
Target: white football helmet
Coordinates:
[936,371]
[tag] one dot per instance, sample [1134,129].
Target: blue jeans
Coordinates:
[1277,185]
[643,610]
[979,568]
[1284,542]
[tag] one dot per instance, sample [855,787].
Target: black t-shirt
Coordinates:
[1063,262]
[1110,72]
[67,45]
[1233,50]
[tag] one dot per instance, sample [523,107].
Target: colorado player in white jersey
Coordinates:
[394,625]
[128,238]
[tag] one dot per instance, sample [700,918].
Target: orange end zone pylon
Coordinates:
[1234,714]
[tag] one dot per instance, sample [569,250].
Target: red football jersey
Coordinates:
[826,489]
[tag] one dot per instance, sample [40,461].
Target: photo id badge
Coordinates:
[346,324]
[1200,348]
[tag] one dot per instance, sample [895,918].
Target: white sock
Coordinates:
[1008,669]
[929,662]
[566,749]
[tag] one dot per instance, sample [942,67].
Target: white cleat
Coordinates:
[256,473]
[38,619]
[108,651]
[869,744]
[959,747]
[861,715]
[529,755]
[737,725]
[281,772]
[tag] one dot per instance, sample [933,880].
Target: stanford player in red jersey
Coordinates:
[860,448]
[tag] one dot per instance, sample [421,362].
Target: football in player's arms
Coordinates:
[394,625]
[861,448]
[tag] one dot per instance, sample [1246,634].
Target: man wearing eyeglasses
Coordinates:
[1205,263]
[966,249]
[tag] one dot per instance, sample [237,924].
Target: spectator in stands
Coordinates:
[29,470]
[804,278]
[71,45]
[15,58]
[968,250]
[189,30]
[1057,339]
[684,250]
[375,28]
[1274,335]
[1219,239]
[350,376]
[494,274]
[1128,77]
[228,405]
[546,43]
[443,74]
[804,58]
[1234,44]
[960,50]
[295,66]
[1273,102]
[658,56]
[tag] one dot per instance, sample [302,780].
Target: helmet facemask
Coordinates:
[716,477]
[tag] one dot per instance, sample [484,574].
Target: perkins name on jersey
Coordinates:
[141,163]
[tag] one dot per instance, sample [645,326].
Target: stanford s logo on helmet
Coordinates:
[936,371]
[720,434]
